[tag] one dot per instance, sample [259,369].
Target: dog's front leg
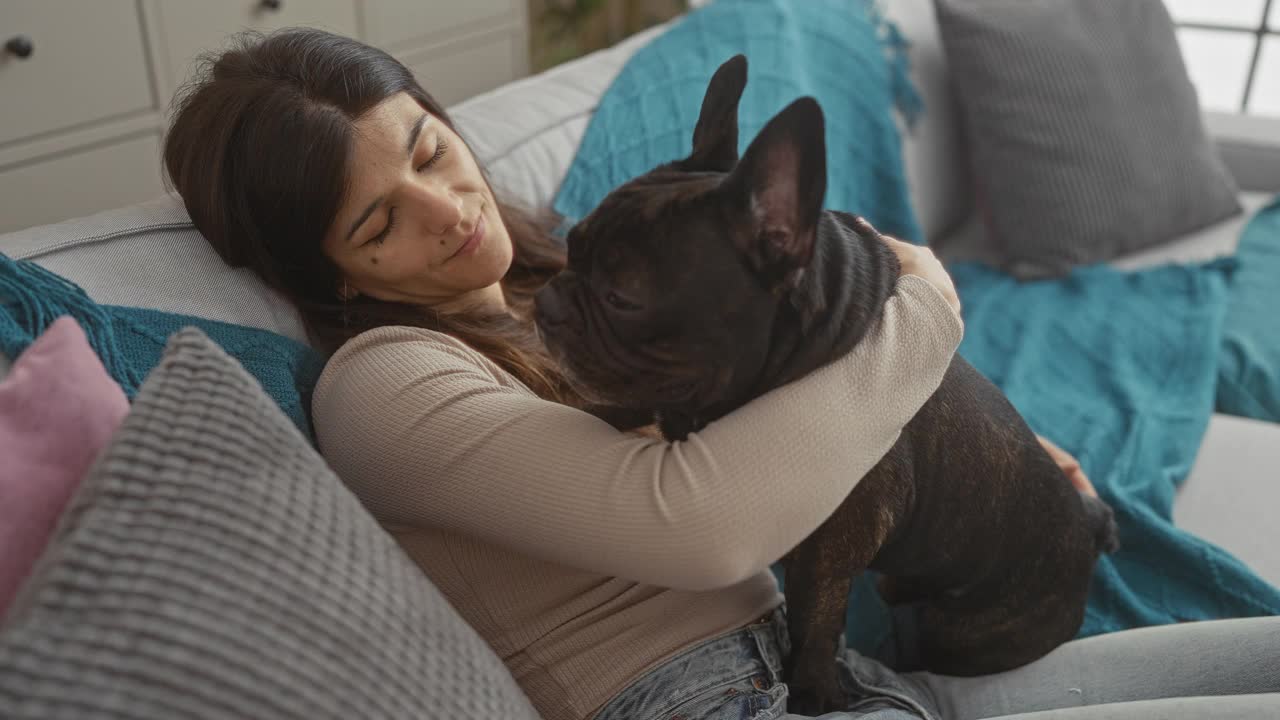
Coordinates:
[819,576]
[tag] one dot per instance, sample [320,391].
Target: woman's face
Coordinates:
[419,223]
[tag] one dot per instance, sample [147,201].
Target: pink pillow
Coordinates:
[58,408]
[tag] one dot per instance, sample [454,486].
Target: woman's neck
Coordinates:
[489,299]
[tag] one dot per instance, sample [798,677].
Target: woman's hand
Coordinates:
[916,260]
[1070,466]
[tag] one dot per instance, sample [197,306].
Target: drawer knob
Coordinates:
[20,45]
[272,5]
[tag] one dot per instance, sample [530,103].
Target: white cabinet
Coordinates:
[96,178]
[455,71]
[85,85]
[85,61]
[396,24]
[187,28]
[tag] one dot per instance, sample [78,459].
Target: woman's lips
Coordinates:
[473,243]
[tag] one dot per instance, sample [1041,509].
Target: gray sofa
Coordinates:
[305,648]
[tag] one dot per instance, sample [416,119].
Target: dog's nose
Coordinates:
[549,307]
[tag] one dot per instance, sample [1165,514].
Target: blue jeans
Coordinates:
[1223,669]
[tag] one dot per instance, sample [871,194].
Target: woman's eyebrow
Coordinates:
[364,216]
[414,131]
[413,134]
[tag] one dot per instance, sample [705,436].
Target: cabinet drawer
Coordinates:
[187,28]
[454,73]
[87,63]
[389,23]
[80,184]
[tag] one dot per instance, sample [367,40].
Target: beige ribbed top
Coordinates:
[584,555]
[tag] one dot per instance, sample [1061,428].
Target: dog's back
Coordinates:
[997,547]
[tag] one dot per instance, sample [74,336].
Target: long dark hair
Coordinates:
[258,149]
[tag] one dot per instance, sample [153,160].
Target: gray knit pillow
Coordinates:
[1085,134]
[212,566]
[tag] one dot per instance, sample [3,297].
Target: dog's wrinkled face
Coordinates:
[635,320]
[676,279]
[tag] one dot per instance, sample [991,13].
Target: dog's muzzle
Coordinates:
[553,310]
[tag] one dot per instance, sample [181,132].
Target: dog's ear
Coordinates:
[779,188]
[715,138]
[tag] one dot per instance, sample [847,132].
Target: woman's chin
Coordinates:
[500,263]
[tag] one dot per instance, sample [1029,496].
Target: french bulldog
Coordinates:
[710,280]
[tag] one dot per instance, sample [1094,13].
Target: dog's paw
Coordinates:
[814,690]
[1105,531]
[814,701]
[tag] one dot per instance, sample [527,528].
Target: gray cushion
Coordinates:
[212,566]
[1085,134]
[150,255]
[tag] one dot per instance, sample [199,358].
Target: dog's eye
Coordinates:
[619,302]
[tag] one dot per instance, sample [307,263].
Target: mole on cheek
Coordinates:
[373,260]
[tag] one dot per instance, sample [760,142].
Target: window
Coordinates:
[1232,50]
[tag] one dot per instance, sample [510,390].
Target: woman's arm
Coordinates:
[427,432]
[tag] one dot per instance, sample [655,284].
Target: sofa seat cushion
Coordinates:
[1229,498]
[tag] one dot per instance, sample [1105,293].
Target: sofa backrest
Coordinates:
[150,255]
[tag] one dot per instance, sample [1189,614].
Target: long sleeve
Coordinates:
[429,433]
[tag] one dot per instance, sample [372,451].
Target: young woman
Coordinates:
[617,575]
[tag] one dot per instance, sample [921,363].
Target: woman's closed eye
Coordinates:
[442,147]
[381,237]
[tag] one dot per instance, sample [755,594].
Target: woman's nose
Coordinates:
[442,208]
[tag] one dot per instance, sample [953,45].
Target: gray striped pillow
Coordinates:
[1084,131]
[212,566]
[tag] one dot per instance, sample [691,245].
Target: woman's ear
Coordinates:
[346,291]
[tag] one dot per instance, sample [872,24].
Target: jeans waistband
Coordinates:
[755,650]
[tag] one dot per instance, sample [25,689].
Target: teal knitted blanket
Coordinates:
[130,340]
[1249,365]
[840,52]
